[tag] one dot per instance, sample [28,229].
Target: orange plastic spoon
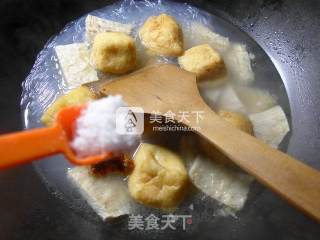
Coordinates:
[27,146]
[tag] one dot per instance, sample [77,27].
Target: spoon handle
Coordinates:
[26,146]
[298,183]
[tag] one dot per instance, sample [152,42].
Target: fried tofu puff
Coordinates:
[78,95]
[159,178]
[113,52]
[162,36]
[238,120]
[202,60]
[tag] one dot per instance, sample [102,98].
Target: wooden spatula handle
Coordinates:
[26,146]
[290,178]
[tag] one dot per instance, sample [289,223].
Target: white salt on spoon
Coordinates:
[96,130]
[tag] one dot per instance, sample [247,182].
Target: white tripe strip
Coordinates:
[200,34]
[74,63]
[108,195]
[256,100]
[271,126]
[238,63]
[226,185]
[211,91]
[229,100]
[96,25]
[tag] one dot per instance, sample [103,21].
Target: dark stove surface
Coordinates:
[289,31]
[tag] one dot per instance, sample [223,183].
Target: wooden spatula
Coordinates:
[167,88]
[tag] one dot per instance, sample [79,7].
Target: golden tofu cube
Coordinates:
[159,178]
[78,95]
[202,60]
